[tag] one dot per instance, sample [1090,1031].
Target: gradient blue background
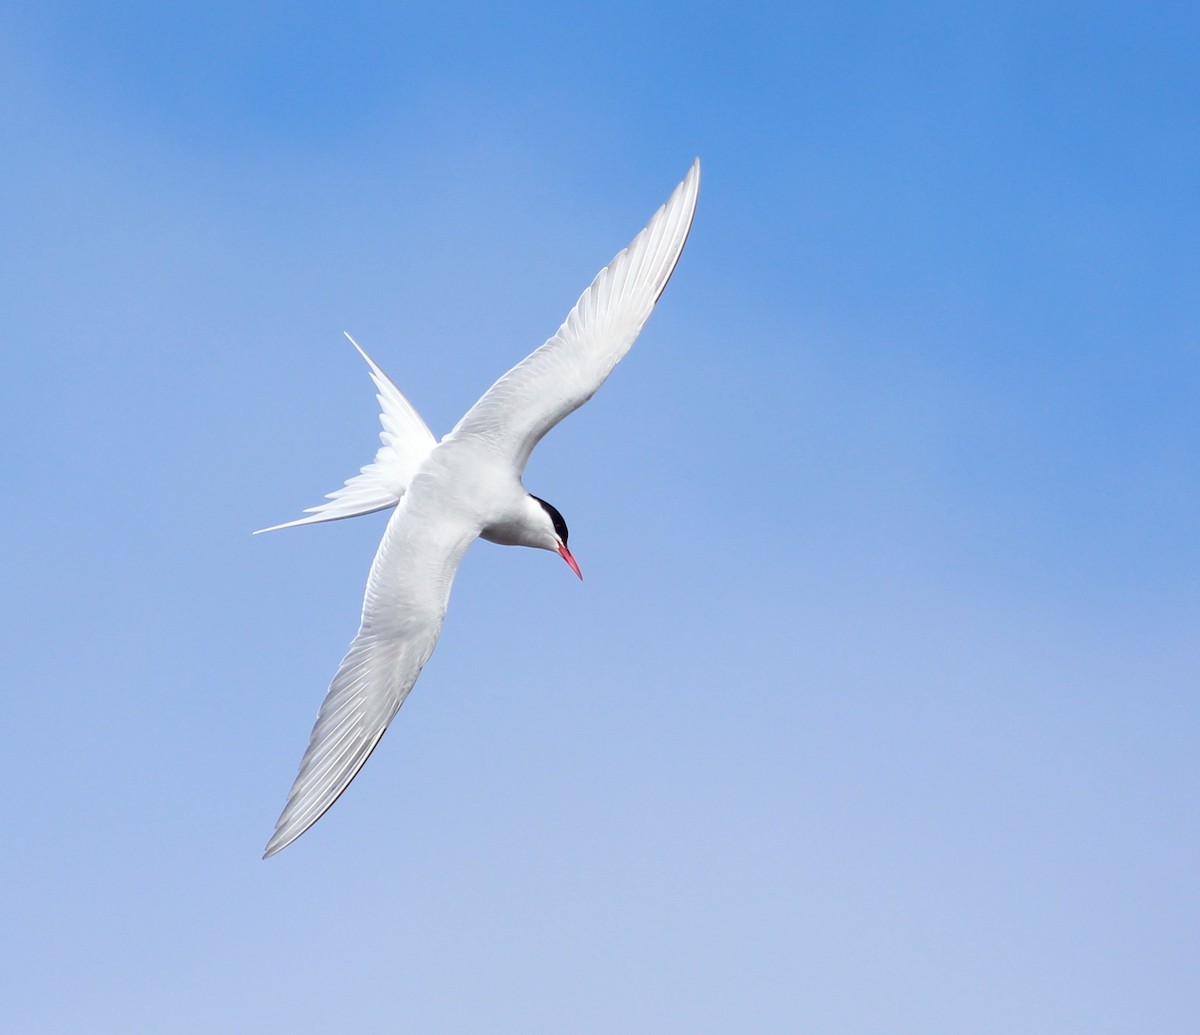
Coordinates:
[877,710]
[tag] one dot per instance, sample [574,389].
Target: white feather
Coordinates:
[405,443]
[565,372]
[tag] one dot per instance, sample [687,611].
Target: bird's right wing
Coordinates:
[514,414]
[407,593]
[405,442]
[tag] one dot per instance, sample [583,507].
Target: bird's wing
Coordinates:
[406,597]
[406,441]
[514,414]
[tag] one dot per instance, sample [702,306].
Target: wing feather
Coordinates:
[565,372]
[406,598]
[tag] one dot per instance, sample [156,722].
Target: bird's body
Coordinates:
[447,494]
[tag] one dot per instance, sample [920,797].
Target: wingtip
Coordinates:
[686,193]
[280,840]
[693,179]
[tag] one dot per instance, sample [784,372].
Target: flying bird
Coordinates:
[468,486]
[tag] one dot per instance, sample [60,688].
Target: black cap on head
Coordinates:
[560,526]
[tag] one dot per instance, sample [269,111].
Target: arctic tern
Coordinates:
[447,494]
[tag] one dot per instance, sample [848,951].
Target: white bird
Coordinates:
[467,486]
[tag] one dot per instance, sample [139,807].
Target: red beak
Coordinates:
[566,556]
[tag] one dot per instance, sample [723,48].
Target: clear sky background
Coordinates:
[878,709]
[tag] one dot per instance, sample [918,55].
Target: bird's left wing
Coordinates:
[407,593]
[514,414]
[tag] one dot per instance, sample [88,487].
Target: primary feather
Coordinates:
[407,593]
[566,371]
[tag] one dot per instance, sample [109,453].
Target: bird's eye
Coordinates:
[556,519]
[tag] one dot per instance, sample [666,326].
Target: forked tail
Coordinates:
[406,442]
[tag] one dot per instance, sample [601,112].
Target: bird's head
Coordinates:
[554,532]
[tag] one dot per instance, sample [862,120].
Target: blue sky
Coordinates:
[877,710]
